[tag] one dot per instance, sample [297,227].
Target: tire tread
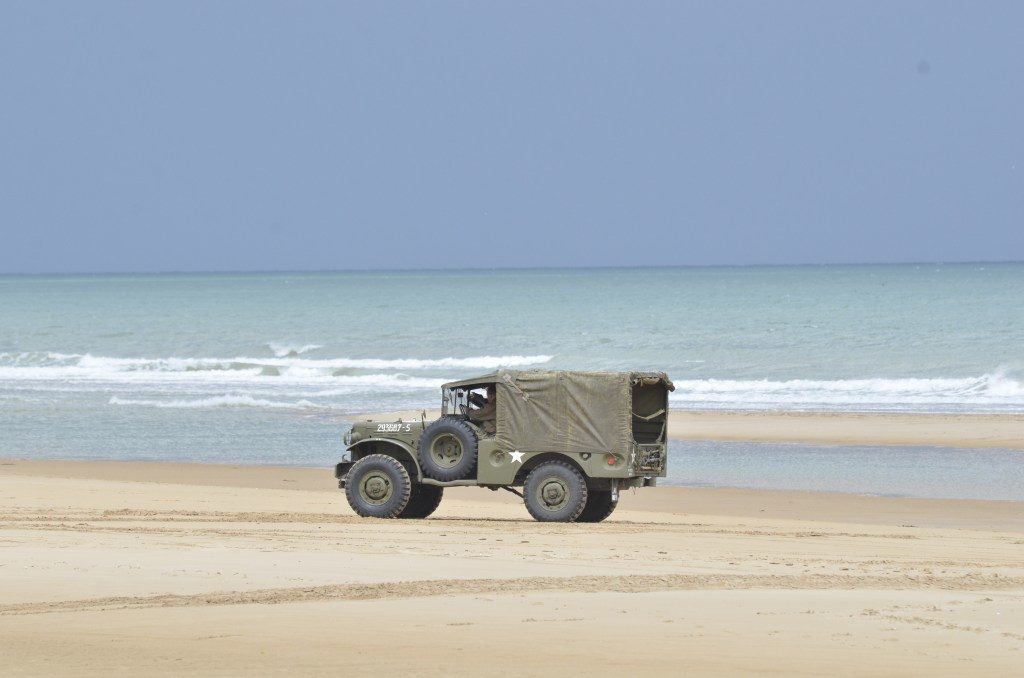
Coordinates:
[423,501]
[352,489]
[577,478]
[601,508]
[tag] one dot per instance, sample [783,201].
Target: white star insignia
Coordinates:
[632,458]
[517,456]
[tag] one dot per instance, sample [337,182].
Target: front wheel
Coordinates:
[555,492]
[378,486]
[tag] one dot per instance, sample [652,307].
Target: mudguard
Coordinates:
[400,450]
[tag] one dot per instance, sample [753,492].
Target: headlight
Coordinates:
[347,438]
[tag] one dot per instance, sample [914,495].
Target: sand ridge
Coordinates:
[593,584]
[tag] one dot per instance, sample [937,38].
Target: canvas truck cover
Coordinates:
[568,412]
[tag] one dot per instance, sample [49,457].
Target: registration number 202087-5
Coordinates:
[394,428]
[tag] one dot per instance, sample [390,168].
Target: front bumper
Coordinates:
[341,470]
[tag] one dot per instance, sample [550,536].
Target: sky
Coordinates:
[259,136]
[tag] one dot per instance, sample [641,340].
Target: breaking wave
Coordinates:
[996,390]
[14,366]
[223,401]
[291,350]
[286,382]
[362,384]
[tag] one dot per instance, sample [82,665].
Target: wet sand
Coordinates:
[141,568]
[943,430]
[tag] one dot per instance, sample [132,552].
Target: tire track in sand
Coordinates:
[584,584]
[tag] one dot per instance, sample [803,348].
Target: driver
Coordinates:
[485,414]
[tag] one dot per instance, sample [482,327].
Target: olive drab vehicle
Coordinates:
[570,440]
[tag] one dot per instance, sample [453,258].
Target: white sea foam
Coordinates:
[222,401]
[174,364]
[993,389]
[63,369]
[80,378]
[351,381]
[291,350]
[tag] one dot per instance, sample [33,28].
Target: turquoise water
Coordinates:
[269,368]
[899,471]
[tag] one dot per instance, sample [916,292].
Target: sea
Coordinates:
[273,367]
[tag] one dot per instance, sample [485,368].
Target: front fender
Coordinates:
[398,449]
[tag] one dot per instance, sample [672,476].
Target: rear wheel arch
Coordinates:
[539,459]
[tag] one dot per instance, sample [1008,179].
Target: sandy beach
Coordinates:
[149,568]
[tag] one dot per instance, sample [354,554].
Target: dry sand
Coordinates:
[138,568]
[946,430]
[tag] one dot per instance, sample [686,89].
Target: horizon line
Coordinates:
[321,271]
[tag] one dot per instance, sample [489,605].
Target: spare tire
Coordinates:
[448,449]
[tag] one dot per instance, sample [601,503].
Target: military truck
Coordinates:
[570,440]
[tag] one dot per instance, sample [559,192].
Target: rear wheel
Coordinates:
[555,492]
[448,449]
[424,500]
[378,486]
[599,506]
